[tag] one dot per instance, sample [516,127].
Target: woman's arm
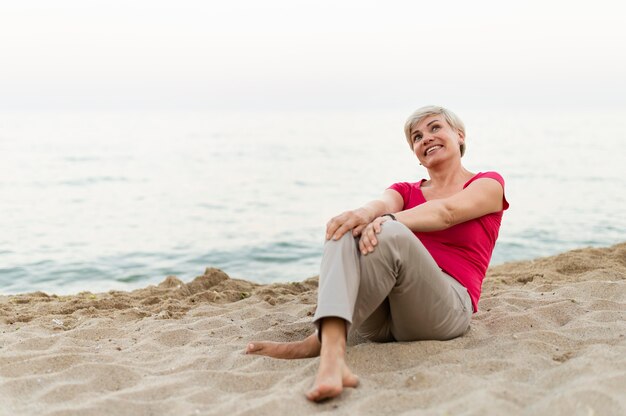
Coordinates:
[481,197]
[357,219]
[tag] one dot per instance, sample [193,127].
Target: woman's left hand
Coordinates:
[368,240]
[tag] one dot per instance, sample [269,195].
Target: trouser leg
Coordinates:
[395,293]
[423,301]
[339,279]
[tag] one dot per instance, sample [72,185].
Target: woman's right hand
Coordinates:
[355,220]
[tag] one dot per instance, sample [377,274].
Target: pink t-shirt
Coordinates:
[463,251]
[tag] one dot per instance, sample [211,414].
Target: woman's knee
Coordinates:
[393,231]
[347,238]
[346,243]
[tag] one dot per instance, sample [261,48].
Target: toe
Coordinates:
[323,392]
[312,395]
[252,348]
[350,380]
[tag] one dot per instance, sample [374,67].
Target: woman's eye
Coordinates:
[417,139]
[435,128]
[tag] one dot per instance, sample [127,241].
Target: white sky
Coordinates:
[283,54]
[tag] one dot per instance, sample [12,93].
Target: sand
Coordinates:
[549,339]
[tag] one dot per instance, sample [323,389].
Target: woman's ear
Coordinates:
[461,137]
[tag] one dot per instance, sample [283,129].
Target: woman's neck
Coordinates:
[444,176]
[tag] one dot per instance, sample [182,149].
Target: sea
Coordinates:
[116,200]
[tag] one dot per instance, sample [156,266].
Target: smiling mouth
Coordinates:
[432,149]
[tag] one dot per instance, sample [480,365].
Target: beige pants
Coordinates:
[396,293]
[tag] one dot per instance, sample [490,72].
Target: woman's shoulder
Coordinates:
[406,187]
[495,176]
[488,174]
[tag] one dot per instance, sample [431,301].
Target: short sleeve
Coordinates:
[497,177]
[403,188]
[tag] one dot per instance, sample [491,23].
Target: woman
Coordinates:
[408,266]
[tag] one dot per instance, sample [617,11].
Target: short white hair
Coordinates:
[431,110]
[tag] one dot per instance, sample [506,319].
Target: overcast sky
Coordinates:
[284,54]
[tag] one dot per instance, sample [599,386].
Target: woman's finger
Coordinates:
[365,242]
[368,239]
[372,236]
[337,227]
[339,232]
[357,230]
[332,226]
[363,245]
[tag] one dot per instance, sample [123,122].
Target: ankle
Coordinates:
[332,330]
[333,344]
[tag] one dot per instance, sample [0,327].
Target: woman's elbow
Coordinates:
[447,217]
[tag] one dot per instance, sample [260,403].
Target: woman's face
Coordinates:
[435,141]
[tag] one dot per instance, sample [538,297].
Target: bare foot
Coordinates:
[309,347]
[332,377]
[333,373]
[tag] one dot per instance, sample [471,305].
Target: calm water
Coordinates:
[98,201]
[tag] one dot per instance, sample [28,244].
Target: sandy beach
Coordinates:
[549,339]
